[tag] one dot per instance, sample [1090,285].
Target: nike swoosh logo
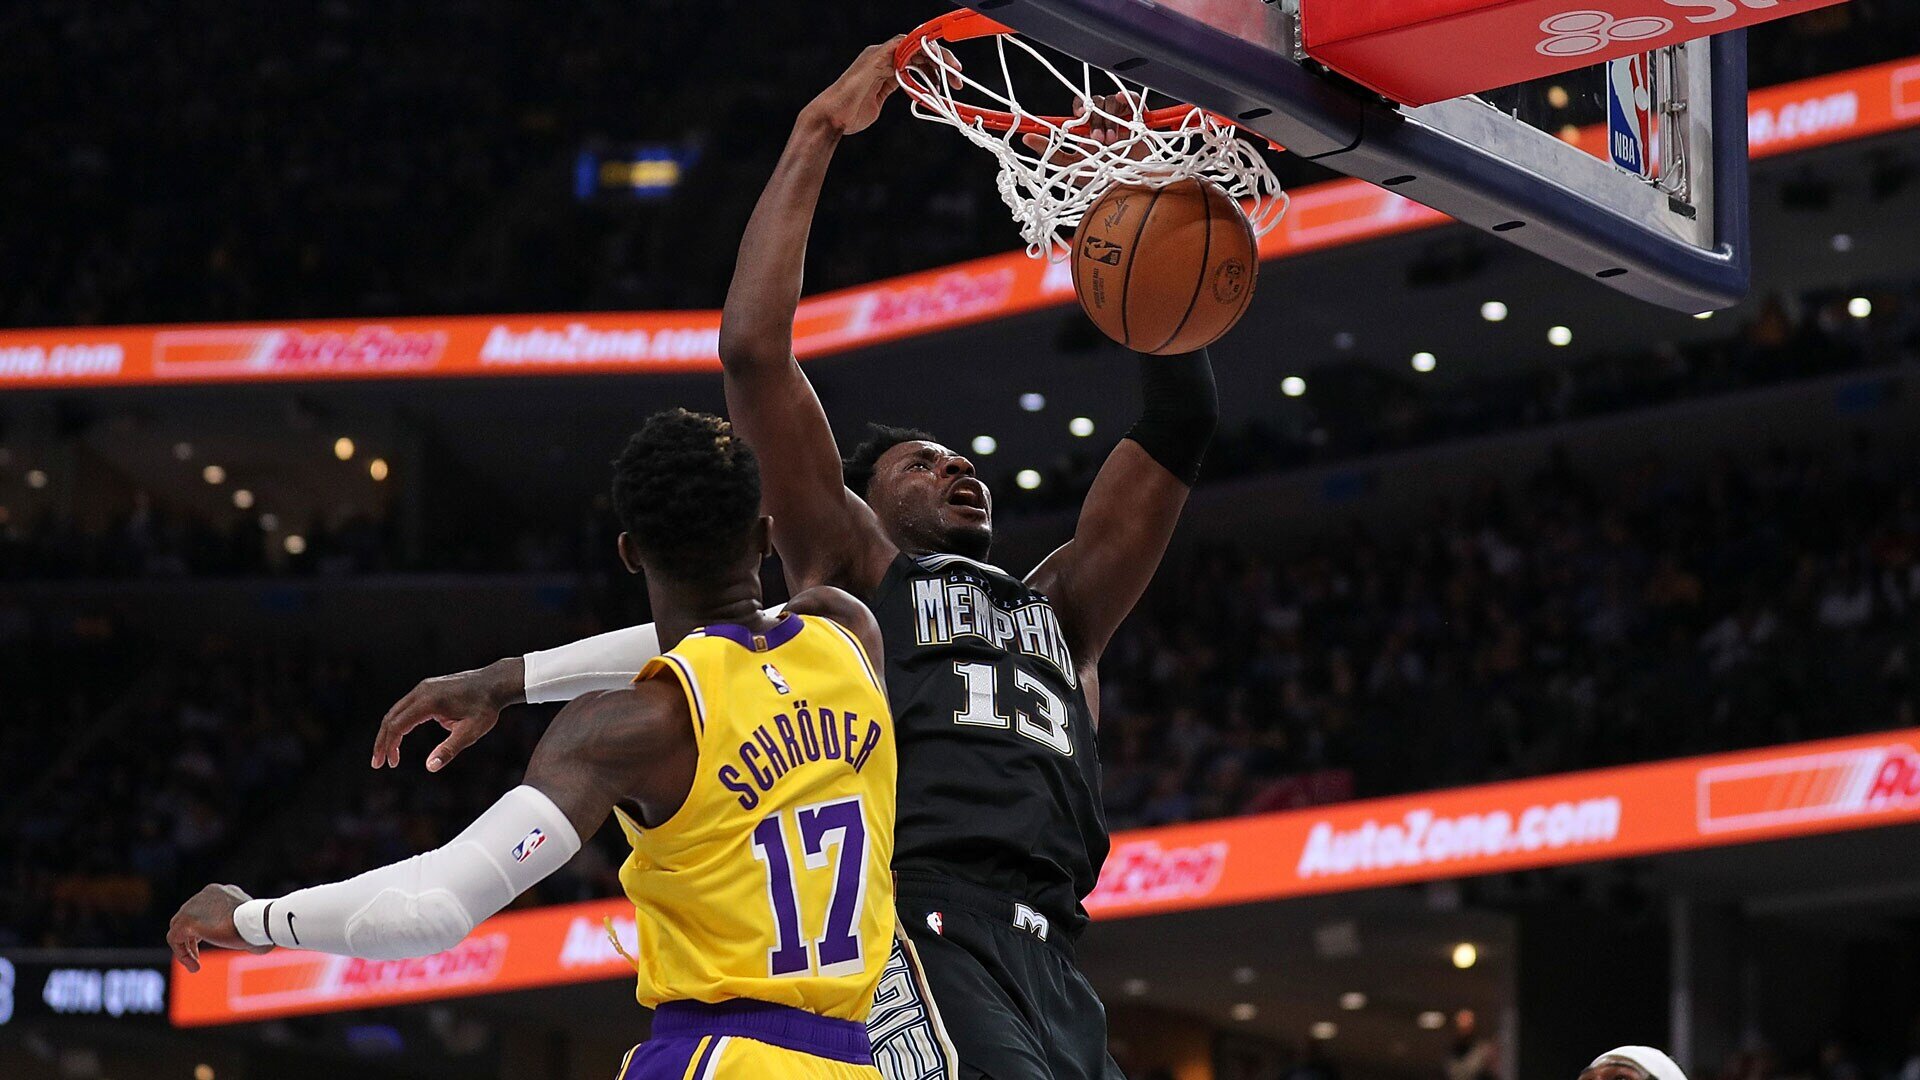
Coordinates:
[291,930]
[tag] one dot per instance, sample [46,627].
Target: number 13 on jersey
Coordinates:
[984,708]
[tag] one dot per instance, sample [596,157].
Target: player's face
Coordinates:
[929,500]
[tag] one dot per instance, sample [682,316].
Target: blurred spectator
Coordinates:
[1473,1055]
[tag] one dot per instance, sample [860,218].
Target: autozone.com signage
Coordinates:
[1578,817]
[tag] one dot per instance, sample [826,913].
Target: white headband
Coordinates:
[1657,1065]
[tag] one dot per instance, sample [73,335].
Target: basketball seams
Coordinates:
[1199,279]
[1253,270]
[1133,259]
[1110,303]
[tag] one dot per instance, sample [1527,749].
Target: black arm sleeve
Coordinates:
[1182,407]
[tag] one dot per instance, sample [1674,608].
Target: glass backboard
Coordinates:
[1670,226]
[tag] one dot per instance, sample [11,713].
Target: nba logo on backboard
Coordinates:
[1632,124]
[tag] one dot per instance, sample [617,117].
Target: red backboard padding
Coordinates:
[1421,51]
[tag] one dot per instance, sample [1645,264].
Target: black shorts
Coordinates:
[982,977]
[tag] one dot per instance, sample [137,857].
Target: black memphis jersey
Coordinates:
[999,768]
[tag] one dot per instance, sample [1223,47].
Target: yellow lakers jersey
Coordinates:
[772,881]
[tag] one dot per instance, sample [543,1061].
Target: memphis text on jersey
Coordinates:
[792,739]
[947,609]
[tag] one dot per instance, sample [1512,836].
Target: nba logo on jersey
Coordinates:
[1631,122]
[936,924]
[779,681]
[528,845]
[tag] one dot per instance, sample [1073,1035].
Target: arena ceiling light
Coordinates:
[1033,402]
[1244,975]
[1324,1030]
[1431,1020]
[1028,479]
[182,451]
[242,499]
[377,468]
[1353,1001]
[1080,426]
[1560,336]
[1704,315]
[295,544]
[1558,97]
[1424,362]
[1134,987]
[1243,1011]
[985,444]
[1859,307]
[214,474]
[1293,386]
[269,523]
[343,448]
[1465,955]
[1842,242]
[1493,311]
[36,479]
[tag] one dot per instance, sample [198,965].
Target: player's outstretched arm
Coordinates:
[635,743]
[1129,515]
[824,533]
[468,703]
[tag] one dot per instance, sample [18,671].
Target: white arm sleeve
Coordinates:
[425,904]
[606,661]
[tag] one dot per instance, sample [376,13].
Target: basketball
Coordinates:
[1165,270]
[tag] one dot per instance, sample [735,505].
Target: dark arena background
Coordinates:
[1535,670]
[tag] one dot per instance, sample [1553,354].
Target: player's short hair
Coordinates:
[857,467]
[688,490]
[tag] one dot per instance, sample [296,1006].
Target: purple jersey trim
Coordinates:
[776,1025]
[779,634]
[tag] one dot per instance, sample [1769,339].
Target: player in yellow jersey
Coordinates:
[752,768]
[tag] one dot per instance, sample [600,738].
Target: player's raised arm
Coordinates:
[631,744]
[825,534]
[1129,515]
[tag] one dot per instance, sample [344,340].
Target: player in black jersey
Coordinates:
[992,678]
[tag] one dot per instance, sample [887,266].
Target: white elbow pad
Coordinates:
[394,925]
[425,904]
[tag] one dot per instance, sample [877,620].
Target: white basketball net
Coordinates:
[1050,189]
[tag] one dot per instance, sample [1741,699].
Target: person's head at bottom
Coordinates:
[1633,1063]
